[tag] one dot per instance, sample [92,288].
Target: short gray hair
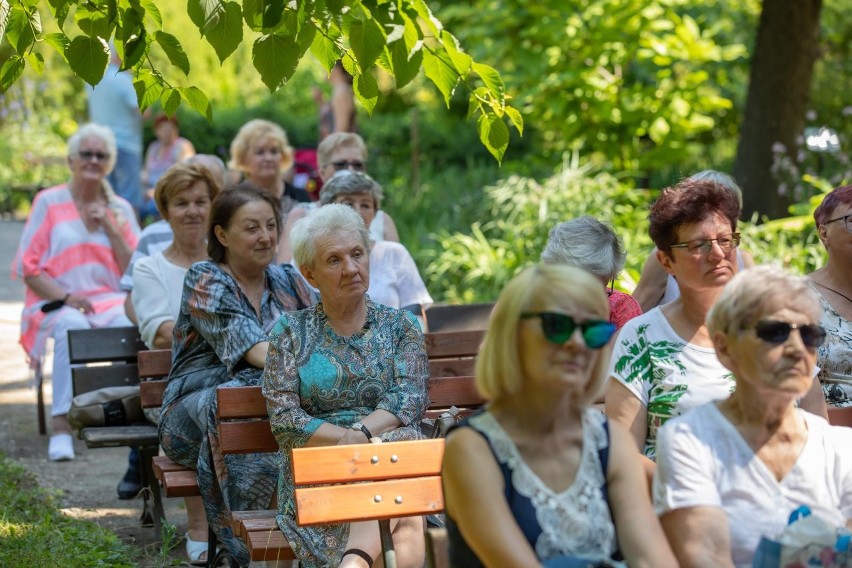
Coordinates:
[586,243]
[102,133]
[758,291]
[346,182]
[321,222]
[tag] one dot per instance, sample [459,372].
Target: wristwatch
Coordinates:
[362,428]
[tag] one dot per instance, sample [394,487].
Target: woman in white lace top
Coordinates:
[540,478]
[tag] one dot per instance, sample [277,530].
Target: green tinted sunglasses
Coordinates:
[558,328]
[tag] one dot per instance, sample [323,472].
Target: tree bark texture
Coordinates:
[785,51]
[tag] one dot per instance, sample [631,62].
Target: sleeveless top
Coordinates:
[576,521]
[673,292]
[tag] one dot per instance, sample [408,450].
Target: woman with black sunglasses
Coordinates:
[664,363]
[539,478]
[834,283]
[730,472]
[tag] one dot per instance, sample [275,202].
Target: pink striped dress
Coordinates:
[56,242]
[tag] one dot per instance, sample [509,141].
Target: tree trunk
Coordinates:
[784,54]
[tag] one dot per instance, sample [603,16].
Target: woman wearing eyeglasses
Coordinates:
[76,244]
[834,283]
[664,362]
[539,478]
[731,471]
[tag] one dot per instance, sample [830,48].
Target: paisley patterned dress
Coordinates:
[313,376]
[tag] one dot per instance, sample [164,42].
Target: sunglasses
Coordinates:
[558,328]
[776,332]
[88,155]
[356,165]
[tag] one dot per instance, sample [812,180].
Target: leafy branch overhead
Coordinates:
[400,36]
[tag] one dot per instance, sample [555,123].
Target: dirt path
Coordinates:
[86,486]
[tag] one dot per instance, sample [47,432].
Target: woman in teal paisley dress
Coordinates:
[342,372]
[229,305]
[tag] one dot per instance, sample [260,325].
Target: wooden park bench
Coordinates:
[840,416]
[110,359]
[458,317]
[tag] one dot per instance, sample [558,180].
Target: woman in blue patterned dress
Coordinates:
[229,305]
[343,372]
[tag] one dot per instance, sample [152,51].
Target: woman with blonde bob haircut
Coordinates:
[522,477]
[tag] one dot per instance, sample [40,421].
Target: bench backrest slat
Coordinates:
[453,344]
[369,501]
[840,416]
[244,437]
[87,379]
[104,345]
[154,367]
[458,317]
[367,462]
[453,391]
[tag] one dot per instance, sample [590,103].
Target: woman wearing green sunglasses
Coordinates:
[730,472]
[539,478]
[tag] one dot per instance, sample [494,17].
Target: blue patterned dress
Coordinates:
[314,376]
[216,326]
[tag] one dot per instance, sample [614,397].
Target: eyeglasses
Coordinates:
[356,165]
[776,332]
[847,219]
[87,155]
[703,246]
[558,328]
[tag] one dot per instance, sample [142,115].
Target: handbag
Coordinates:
[109,406]
[806,541]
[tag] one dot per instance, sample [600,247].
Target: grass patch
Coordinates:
[34,533]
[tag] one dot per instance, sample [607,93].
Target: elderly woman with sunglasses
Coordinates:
[664,362]
[77,242]
[834,283]
[731,471]
[539,478]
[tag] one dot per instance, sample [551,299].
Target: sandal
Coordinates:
[195,549]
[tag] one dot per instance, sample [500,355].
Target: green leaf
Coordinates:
[135,49]
[516,118]
[265,15]
[440,70]
[36,61]
[93,21]
[461,60]
[153,11]
[171,46]
[5,11]
[493,134]
[198,101]
[491,79]
[9,73]
[275,57]
[88,58]
[367,40]
[59,9]
[22,29]
[366,90]
[58,41]
[404,69]
[253,14]
[425,15]
[220,22]
[149,88]
[170,99]
[325,50]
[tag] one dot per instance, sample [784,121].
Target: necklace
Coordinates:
[848,299]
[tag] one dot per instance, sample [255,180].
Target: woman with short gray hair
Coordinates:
[593,246]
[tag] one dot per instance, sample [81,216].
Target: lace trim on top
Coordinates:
[575,521]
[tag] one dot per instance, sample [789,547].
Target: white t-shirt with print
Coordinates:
[702,460]
[667,374]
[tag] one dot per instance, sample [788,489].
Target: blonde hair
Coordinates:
[498,367]
[337,140]
[252,131]
[181,177]
[758,291]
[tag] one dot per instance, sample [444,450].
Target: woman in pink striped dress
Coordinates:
[75,246]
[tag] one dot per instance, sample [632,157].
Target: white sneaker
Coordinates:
[61,447]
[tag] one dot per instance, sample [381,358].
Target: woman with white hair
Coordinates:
[593,246]
[76,244]
[731,471]
[342,372]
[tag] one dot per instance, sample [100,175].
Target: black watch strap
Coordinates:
[366,432]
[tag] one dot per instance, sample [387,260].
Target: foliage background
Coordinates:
[620,99]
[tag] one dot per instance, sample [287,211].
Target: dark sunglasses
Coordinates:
[356,165]
[771,331]
[558,328]
[88,155]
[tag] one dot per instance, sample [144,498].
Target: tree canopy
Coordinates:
[400,36]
